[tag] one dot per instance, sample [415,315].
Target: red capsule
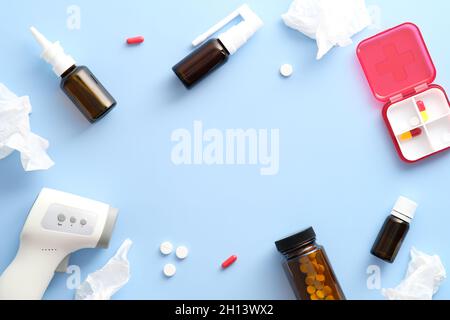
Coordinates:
[135,40]
[229,262]
[421,106]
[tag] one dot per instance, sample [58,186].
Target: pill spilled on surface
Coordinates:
[166,248]
[182,252]
[229,262]
[135,40]
[169,270]
[286,70]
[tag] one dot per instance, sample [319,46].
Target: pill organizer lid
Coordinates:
[396,62]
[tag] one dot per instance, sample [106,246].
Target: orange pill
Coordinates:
[320,294]
[312,256]
[304,268]
[327,290]
[320,277]
[304,260]
[316,265]
[321,269]
[310,281]
[314,297]
[329,298]
[311,290]
[319,285]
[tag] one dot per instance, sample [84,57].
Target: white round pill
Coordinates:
[414,121]
[170,270]
[286,70]
[182,252]
[166,248]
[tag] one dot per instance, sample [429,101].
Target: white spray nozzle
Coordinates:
[40,38]
[234,38]
[53,53]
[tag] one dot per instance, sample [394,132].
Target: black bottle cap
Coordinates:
[296,240]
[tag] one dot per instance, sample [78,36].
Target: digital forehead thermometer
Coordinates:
[58,225]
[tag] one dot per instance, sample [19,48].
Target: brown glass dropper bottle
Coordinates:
[77,82]
[394,231]
[215,52]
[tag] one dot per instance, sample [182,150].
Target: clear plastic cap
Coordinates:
[405,209]
[239,34]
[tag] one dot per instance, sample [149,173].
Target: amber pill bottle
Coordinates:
[308,268]
[394,231]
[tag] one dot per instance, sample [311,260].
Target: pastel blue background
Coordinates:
[339,171]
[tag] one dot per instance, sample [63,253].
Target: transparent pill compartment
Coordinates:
[400,72]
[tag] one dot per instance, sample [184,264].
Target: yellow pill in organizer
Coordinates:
[425,116]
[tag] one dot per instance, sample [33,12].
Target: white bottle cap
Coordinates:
[405,209]
[53,53]
[239,34]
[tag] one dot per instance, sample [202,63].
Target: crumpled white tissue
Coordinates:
[15,132]
[104,283]
[330,22]
[423,279]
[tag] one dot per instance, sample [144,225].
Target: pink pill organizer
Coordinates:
[400,72]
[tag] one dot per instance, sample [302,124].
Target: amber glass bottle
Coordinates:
[308,268]
[87,93]
[201,62]
[78,83]
[394,230]
[215,52]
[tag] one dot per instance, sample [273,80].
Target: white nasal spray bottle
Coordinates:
[58,225]
[215,52]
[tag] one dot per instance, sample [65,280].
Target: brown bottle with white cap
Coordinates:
[394,231]
[214,53]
